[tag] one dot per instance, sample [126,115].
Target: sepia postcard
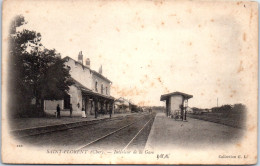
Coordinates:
[129,82]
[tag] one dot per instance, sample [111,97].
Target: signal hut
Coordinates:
[176,104]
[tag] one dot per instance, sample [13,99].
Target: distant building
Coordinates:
[91,88]
[122,105]
[207,110]
[189,110]
[176,104]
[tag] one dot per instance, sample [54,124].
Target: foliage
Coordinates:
[35,71]
[231,115]
[239,108]
[236,108]
[223,108]
[135,108]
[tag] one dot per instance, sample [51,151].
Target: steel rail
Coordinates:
[137,134]
[109,134]
[67,128]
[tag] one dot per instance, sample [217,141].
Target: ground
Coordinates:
[160,133]
[169,133]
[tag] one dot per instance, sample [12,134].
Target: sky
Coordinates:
[150,48]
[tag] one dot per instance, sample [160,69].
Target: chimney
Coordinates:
[88,62]
[100,70]
[80,57]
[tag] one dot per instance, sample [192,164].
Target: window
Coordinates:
[96,85]
[102,89]
[106,91]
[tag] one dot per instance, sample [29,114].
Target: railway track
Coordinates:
[21,133]
[122,133]
[106,139]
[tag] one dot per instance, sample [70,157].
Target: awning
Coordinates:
[89,92]
[94,94]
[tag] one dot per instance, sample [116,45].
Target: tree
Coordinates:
[19,94]
[37,72]
[239,108]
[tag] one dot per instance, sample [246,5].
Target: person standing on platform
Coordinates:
[71,109]
[83,113]
[58,111]
[185,114]
[96,109]
[110,110]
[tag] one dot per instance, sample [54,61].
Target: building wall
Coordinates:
[80,73]
[75,98]
[50,107]
[175,102]
[52,104]
[100,82]
[189,110]
[86,77]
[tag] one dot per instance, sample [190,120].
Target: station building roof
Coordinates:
[166,96]
[96,73]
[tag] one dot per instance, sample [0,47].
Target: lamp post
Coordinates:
[185,109]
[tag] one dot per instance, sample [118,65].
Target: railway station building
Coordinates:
[176,104]
[90,89]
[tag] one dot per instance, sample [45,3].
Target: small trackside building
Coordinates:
[122,105]
[176,104]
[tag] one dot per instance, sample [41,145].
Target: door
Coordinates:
[67,102]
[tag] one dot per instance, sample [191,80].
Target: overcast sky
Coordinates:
[151,48]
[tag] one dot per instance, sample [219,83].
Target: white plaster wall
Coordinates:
[50,107]
[52,104]
[82,75]
[63,113]
[100,81]
[75,98]
[175,102]
[86,77]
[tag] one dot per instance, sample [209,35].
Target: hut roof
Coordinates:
[165,96]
